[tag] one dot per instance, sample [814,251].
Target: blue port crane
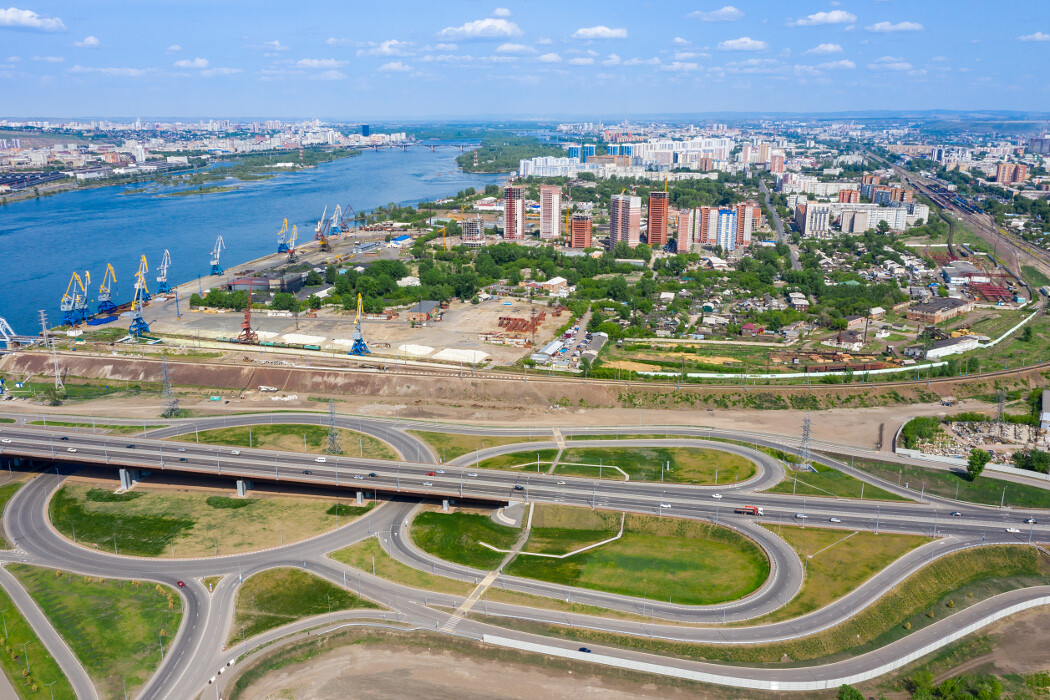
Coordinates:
[162,274]
[105,291]
[337,221]
[138,325]
[74,302]
[360,347]
[216,268]
[282,238]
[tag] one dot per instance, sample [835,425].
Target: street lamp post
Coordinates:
[877,514]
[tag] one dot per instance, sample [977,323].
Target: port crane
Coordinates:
[138,324]
[220,246]
[360,347]
[291,243]
[105,291]
[321,232]
[348,215]
[282,238]
[140,280]
[248,336]
[162,274]
[337,220]
[74,302]
[322,223]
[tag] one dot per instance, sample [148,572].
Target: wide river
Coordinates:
[42,241]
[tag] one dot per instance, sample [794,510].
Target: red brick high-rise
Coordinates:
[580,231]
[659,203]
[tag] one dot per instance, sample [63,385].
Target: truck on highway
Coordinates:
[749,510]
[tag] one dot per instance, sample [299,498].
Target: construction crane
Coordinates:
[444,243]
[105,291]
[162,274]
[337,221]
[138,324]
[248,336]
[74,301]
[140,280]
[322,223]
[360,347]
[348,214]
[291,243]
[220,246]
[282,243]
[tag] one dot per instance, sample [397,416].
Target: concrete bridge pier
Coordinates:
[129,477]
[243,487]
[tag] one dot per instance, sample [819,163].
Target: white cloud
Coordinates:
[13,59]
[49,59]
[600,32]
[680,41]
[818,18]
[482,29]
[501,12]
[681,66]
[611,60]
[390,47]
[514,48]
[725,14]
[119,72]
[330,75]
[890,63]
[833,65]
[319,63]
[174,48]
[27,19]
[212,72]
[195,63]
[545,41]
[1037,36]
[274,45]
[549,58]
[395,67]
[898,27]
[686,55]
[744,43]
[336,41]
[582,61]
[88,42]
[825,48]
[654,61]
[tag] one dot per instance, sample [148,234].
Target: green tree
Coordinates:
[975,463]
[848,692]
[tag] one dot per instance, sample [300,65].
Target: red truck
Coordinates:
[749,510]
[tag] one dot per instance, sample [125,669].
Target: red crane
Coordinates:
[248,336]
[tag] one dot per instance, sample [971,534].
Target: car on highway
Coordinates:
[472,474]
[801,516]
[1030,521]
[129,446]
[835,520]
[431,473]
[359,477]
[665,505]
[956,514]
[320,460]
[373,474]
[71,449]
[181,449]
[183,459]
[307,472]
[440,471]
[427,483]
[716,495]
[235,452]
[1012,530]
[212,680]
[64,437]
[519,487]
[181,584]
[561,483]
[585,650]
[6,441]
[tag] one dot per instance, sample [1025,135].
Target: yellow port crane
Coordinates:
[74,301]
[105,291]
[141,290]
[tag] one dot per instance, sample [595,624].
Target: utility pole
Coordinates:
[803,449]
[333,447]
[49,343]
[171,402]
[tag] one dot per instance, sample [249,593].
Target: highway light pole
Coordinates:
[51,689]
[25,652]
[5,621]
[877,514]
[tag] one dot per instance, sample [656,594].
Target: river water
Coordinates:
[42,241]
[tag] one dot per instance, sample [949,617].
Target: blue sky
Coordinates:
[536,58]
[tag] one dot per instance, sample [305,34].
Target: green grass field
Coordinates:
[6,492]
[164,522]
[961,579]
[520,461]
[455,536]
[836,563]
[114,627]
[451,445]
[688,465]
[276,597]
[985,490]
[312,439]
[562,529]
[109,428]
[43,668]
[1034,277]
[686,562]
[830,482]
[363,554]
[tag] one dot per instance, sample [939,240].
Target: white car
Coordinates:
[440,471]
[182,449]
[561,483]
[1012,530]
[665,505]
[801,516]
[235,452]
[427,483]
[716,495]
[472,474]
[836,520]
[359,477]
[6,441]
[71,449]
[320,460]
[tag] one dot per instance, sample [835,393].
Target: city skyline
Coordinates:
[368,62]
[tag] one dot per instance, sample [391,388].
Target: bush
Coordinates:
[921,428]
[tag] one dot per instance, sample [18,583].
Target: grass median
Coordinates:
[277,597]
[369,555]
[6,492]
[837,562]
[940,589]
[455,536]
[108,428]
[42,669]
[520,461]
[830,482]
[448,446]
[116,628]
[169,523]
[683,465]
[311,439]
[985,490]
[682,561]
